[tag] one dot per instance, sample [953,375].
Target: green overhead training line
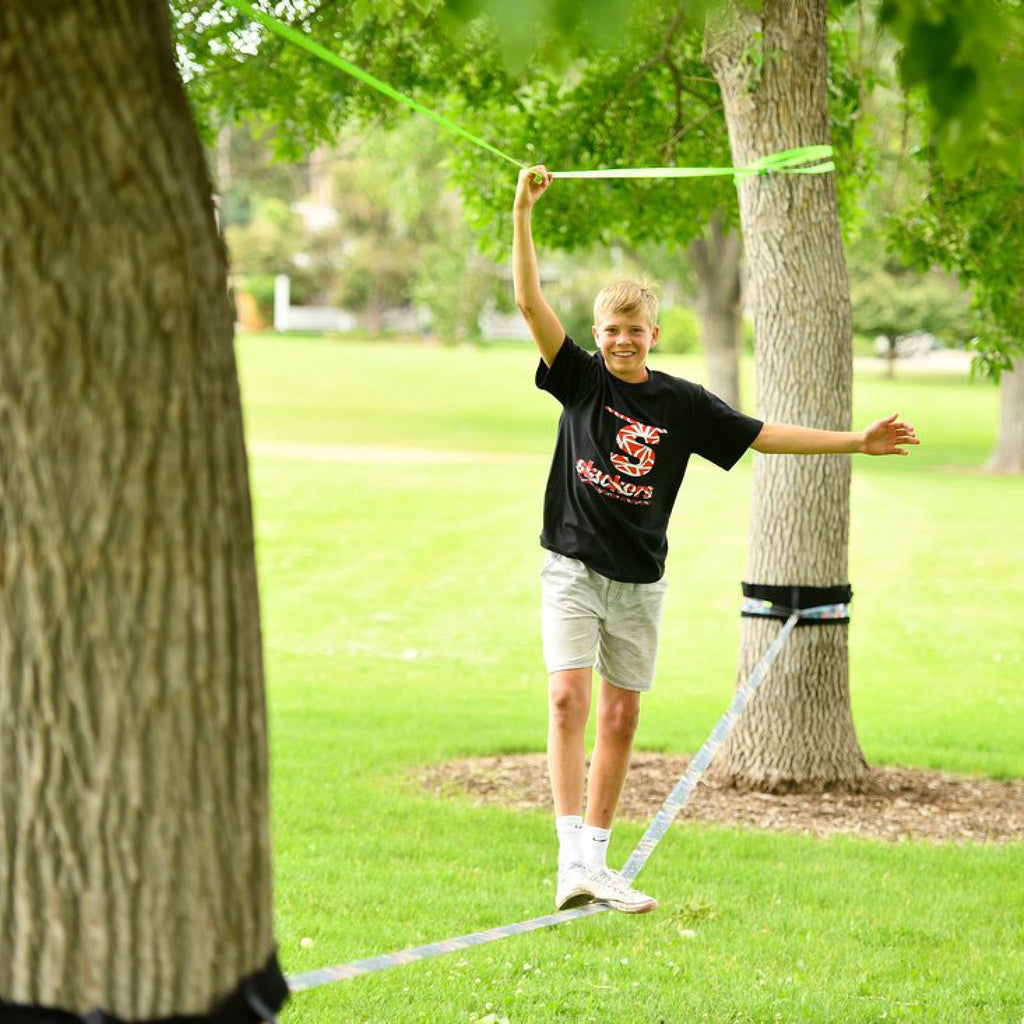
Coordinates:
[787,161]
[300,39]
[790,161]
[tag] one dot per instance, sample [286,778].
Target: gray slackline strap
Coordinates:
[650,839]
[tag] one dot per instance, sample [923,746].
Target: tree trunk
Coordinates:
[222,156]
[715,258]
[373,314]
[771,68]
[1009,454]
[134,840]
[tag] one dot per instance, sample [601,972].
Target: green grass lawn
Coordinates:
[401,627]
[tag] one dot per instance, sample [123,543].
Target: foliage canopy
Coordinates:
[612,83]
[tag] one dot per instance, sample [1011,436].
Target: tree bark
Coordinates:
[134,839]
[771,67]
[1009,454]
[715,258]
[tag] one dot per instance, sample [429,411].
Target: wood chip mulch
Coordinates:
[897,804]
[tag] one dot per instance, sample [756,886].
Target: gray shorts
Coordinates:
[586,615]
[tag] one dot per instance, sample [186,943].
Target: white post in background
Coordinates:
[282,301]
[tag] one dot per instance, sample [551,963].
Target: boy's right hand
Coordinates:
[533,183]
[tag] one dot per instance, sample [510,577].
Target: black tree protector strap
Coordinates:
[785,599]
[256,998]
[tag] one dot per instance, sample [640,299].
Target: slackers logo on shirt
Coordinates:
[636,440]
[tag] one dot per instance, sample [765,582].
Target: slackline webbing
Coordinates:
[802,160]
[788,161]
[655,833]
[301,39]
[254,1000]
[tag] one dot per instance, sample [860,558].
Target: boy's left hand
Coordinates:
[886,436]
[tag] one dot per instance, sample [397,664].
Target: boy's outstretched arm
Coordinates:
[882,438]
[547,331]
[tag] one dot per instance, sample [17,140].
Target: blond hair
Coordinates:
[628,297]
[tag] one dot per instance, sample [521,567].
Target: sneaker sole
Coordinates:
[632,908]
[578,897]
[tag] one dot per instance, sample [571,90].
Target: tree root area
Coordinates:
[896,804]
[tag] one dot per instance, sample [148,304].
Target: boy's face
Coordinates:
[624,340]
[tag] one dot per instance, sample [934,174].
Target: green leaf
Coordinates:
[362,11]
[929,50]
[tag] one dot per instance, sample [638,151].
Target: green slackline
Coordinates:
[787,161]
[287,32]
[790,161]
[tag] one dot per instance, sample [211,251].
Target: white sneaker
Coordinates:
[573,886]
[610,887]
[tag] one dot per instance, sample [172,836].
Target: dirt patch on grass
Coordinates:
[898,803]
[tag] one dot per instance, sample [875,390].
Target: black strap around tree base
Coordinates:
[255,999]
[787,599]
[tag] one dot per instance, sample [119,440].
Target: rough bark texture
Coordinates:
[1009,454]
[771,67]
[134,841]
[715,258]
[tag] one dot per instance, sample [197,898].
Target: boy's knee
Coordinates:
[621,719]
[568,700]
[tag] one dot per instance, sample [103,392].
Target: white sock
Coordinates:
[595,846]
[569,828]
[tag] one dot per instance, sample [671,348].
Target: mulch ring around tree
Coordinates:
[897,803]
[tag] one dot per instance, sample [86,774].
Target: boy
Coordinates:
[624,438]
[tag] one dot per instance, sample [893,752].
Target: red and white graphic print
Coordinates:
[635,439]
[630,439]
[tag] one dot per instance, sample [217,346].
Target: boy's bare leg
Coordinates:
[618,712]
[568,709]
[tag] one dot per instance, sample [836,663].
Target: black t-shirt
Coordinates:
[620,457]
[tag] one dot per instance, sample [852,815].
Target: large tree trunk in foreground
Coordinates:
[715,258]
[134,841]
[1009,454]
[771,67]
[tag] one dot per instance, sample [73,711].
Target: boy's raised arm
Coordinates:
[547,330]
